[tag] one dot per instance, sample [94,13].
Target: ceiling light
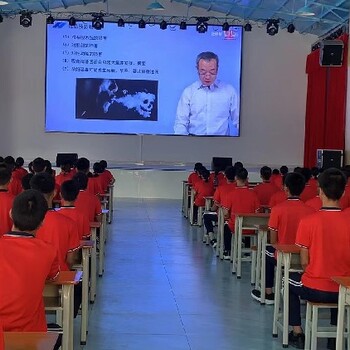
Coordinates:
[142,23]
[183,25]
[50,20]
[225,27]
[3,3]
[72,21]
[163,25]
[305,11]
[202,24]
[98,22]
[248,27]
[155,6]
[121,22]
[25,19]
[291,28]
[272,26]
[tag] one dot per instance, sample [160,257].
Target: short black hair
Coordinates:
[83,164]
[48,167]
[275,172]
[238,165]
[97,167]
[315,171]
[69,190]
[198,166]
[10,162]
[5,175]
[38,165]
[19,161]
[230,173]
[204,173]
[81,180]
[332,182]
[28,210]
[103,164]
[43,182]
[295,182]
[242,174]
[306,173]
[283,169]
[266,172]
[26,181]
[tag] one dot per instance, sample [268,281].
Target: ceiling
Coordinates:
[317,17]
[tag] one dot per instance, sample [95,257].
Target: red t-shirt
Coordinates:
[222,193]
[26,263]
[203,189]
[264,191]
[277,198]
[315,203]
[106,179]
[285,218]
[62,177]
[241,200]
[6,201]
[326,234]
[15,186]
[277,180]
[89,204]
[62,233]
[19,173]
[193,178]
[79,218]
[308,193]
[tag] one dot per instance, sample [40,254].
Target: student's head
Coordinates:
[306,172]
[10,162]
[19,162]
[198,166]
[5,176]
[283,170]
[30,167]
[38,165]
[242,174]
[81,180]
[332,183]
[28,210]
[207,66]
[69,190]
[204,174]
[238,165]
[48,167]
[265,173]
[275,172]
[103,164]
[44,183]
[66,166]
[295,183]
[83,165]
[26,181]
[315,171]
[97,168]
[230,173]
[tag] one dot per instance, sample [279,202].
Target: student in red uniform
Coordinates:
[220,194]
[241,200]
[283,224]
[100,185]
[314,173]
[106,174]
[324,239]
[26,181]
[15,186]
[194,176]
[6,201]
[26,263]
[310,191]
[57,229]
[266,189]
[65,174]
[278,180]
[19,171]
[83,166]
[87,202]
[69,193]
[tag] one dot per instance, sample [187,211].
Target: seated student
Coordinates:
[19,171]
[217,178]
[241,200]
[266,189]
[87,202]
[57,229]
[15,186]
[26,263]
[279,196]
[202,188]
[65,174]
[48,168]
[83,166]
[278,180]
[314,173]
[309,191]
[69,193]
[26,181]
[283,224]
[194,176]
[106,173]
[100,186]
[324,239]
[6,200]
[220,197]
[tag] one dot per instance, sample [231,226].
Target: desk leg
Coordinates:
[287,258]
[93,267]
[258,261]
[239,248]
[102,246]
[278,280]
[340,322]
[84,302]
[68,302]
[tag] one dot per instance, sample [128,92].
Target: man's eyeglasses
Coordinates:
[204,73]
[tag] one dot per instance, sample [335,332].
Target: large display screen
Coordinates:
[142,81]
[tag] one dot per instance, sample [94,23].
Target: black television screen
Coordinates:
[130,80]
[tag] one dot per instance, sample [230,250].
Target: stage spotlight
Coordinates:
[98,22]
[163,25]
[291,28]
[26,19]
[202,24]
[50,20]
[225,27]
[142,23]
[183,25]
[72,21]
[121,22]
[272,26]
[248,27]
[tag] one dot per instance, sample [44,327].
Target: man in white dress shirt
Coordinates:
[208,106]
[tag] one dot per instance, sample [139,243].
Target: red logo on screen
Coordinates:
[230,35]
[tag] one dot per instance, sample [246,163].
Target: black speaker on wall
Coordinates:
[330,158]
[61,158]
[220,163]
[331,53]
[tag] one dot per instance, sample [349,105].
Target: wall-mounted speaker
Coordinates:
[331,53]
[220,163]
[61,158]
[329,158]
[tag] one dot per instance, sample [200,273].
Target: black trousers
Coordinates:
[270,266]
[297,291]
[208,221]
[227,238]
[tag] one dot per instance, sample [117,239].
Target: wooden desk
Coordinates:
[93,229]
[288,255]
[30,340]
[244,221]
[59,295]
[343,300]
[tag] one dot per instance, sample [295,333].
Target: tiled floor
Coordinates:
[164,289]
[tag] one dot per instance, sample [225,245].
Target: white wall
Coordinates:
[273,102]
